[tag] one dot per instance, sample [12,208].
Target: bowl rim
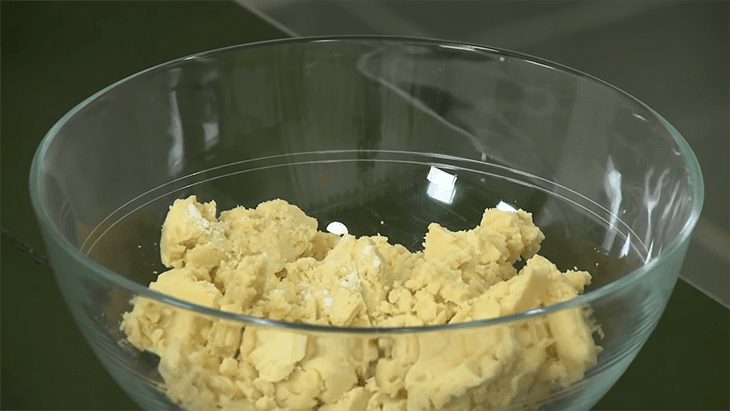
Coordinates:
[51,233]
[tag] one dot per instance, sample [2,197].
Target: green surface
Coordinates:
[56,54]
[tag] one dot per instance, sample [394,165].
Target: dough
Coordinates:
[272,262]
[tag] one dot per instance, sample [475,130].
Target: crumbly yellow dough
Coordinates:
[272,262]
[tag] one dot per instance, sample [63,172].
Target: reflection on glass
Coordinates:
[625,248]
[337,227]
[651,199]
[506,207]
[457,47]
[442,185]
[612,185]
[210,135]
[175,157]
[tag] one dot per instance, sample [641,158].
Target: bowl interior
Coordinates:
[412,191]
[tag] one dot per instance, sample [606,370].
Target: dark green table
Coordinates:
[54,55]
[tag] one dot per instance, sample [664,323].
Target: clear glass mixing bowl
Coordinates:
[383,135]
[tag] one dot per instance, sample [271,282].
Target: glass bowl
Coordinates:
[382,135]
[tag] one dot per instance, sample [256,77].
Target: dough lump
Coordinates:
[271,262]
